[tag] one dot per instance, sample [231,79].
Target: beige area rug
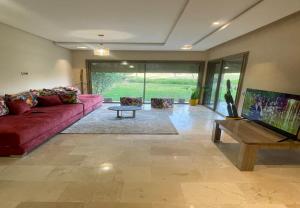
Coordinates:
[103,121]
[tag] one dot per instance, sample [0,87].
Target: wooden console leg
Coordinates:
[247,157]
[216,133]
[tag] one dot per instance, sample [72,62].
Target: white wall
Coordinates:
[48,65]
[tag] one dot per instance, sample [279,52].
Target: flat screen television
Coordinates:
[277,111]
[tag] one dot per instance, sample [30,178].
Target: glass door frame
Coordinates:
[244,55]
[217,61]
[89,63]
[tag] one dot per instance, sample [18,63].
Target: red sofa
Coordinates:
[19,134]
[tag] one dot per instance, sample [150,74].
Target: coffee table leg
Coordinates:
[133,114]
[247,157]
[118,114]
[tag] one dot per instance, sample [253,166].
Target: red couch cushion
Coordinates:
[16,130]
[50,100]
[18,107]
[89,101]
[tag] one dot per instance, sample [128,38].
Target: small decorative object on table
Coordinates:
[195,97]
[181,100]
[107,100]
[162,102]
[131,101]
[231,107]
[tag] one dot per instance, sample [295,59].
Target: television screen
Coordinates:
[278,111]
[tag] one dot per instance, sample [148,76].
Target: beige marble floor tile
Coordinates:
[244,206]
[117,205]
[8,204]
[50,205]
[212,161]
[135,174]
[183,162]
[264,206]
[293,206]
[26,173]
[169,151]
[172,205]
[73,174]
[224,175]
[108,192]
[275,174]
[175,174]
[212,193]
[78,192]
[92,192]
[98,159]
[152,192]
[30,191]
[274,192]
[8,160]
[133,158]
[51,157]
[2,167]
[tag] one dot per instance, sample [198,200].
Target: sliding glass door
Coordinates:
[113,80]
[211,83]
[144,79]
[171,80]
[218,72]
[175,85]
[231,70]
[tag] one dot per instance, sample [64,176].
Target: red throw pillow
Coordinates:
[49,100]
[18,107]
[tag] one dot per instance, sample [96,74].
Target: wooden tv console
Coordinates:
[252,137]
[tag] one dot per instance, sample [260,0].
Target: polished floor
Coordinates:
[147,171]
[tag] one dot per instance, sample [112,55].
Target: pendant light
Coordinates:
[101,51]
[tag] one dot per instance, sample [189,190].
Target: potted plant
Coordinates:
[195,97]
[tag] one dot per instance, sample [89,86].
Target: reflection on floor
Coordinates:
[182,171]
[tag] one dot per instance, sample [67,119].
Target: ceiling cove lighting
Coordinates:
[101,51]
[224,26]
[187,47]
[81,47]
[124,63]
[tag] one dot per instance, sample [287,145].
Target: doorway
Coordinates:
[218,72]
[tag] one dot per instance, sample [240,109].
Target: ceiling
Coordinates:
[160,25]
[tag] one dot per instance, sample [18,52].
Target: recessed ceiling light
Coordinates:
[131,66]
[226,67]
[106,167]
[216,23]
[187,47]
[81,47]
[224,26]
[124,63]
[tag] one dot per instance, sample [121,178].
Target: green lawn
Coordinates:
[134,89]
[116,85]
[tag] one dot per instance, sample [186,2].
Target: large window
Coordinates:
[147,80]
[174,85]
[218,72]
[115,85]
